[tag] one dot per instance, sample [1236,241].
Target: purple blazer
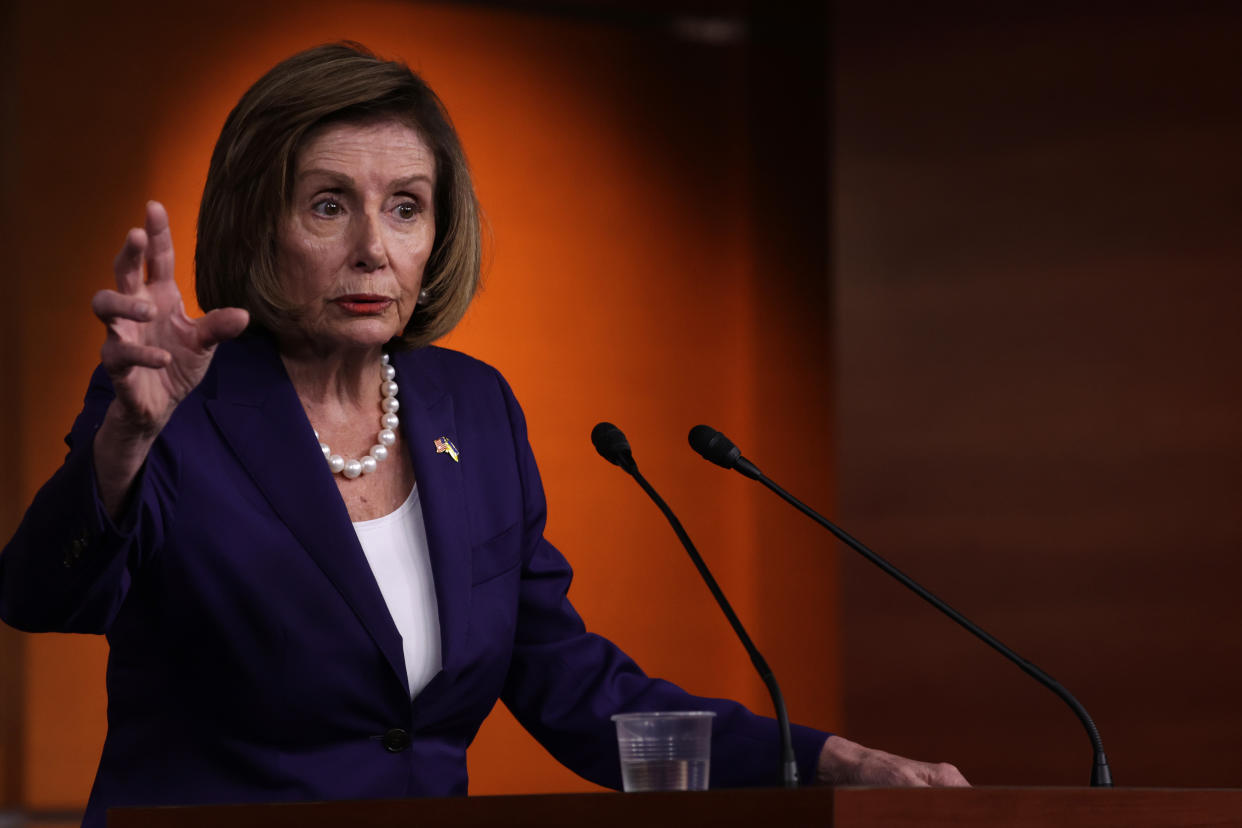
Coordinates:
[252,655]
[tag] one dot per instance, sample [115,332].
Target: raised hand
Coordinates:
[154,353]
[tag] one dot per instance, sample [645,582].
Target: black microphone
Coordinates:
[613,447]
[719,449]
[611,444]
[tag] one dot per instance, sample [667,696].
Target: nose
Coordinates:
[369,252]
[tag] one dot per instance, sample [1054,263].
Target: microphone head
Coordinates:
[714,446]
[611,444]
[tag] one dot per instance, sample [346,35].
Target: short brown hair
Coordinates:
[249,183]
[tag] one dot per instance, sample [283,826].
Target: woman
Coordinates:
[314,541]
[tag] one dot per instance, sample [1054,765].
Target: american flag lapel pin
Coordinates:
[445,446]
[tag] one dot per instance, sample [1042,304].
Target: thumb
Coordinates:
[221,324]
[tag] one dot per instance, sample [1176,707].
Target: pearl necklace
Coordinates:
[352,467]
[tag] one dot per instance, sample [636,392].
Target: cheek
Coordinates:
[420,251]
[304,267]
[408,256]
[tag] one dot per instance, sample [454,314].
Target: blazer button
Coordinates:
[73,553]
[396,740]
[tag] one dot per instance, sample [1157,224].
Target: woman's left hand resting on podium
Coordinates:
[843,762]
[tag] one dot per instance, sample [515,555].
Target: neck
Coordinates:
[348,378]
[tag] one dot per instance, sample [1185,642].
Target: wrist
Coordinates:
[838,761]
[119,450]
[123,428]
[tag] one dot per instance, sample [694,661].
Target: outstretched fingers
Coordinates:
[128,263]
[159,246]
[118,356]
[111,305]
[221,324]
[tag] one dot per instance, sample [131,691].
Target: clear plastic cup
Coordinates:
[665,751]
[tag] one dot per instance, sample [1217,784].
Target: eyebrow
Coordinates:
[341,178]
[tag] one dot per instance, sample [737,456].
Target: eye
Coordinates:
[408,210]
[326,207]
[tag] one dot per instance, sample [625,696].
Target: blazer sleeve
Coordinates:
[564,683]
[68,567]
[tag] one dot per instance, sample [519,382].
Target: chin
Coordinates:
[363,333]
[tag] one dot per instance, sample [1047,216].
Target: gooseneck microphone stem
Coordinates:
[789,765]
[612,445]
[717,448]
[1101,776]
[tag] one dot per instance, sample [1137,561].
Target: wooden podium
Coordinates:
[845,807]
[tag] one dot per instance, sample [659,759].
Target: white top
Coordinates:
[396,549]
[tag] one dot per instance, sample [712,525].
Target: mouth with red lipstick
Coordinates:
[362,304]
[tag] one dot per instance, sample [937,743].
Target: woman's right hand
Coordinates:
[154,353]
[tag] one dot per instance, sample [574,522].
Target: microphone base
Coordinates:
[1101,776]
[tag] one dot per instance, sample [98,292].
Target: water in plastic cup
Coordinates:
[665,751]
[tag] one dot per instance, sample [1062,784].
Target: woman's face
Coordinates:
[354,243]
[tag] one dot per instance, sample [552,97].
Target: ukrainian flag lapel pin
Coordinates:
[445,446]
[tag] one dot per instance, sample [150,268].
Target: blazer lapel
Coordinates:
[261,418]
[427,414]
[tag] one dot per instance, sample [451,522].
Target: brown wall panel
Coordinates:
[616,169]
[1040,416]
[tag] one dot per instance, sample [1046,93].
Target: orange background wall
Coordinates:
[630,278]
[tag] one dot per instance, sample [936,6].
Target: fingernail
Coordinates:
[142,309]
